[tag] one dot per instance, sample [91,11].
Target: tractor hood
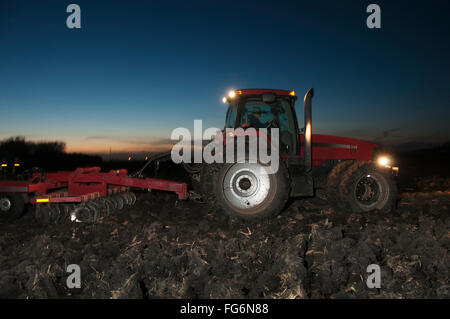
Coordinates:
[328,147]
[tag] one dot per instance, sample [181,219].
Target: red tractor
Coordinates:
[350,173]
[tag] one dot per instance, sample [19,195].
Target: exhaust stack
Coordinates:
[308,118]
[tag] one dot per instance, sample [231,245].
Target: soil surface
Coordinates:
[165,248]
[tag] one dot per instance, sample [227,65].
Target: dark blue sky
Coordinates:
[138,69]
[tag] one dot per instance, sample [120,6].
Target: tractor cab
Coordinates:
[265,108]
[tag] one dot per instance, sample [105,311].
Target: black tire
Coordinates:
[207,181]
[271,205]
[366,186]
[333,180]
[12,205]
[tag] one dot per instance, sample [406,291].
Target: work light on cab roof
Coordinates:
[233,93]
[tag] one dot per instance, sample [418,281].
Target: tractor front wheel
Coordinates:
[365,186]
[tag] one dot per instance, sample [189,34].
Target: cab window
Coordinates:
[257,114]
[231,115]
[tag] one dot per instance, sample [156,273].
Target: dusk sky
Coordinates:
[138,69]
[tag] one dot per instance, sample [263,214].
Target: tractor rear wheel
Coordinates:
[248,191]
[366,186]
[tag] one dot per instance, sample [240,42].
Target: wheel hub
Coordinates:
[5,204]
[367,190]
[246,185]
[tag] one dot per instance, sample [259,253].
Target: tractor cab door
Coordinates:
[253,112]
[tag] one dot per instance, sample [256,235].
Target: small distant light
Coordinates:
[16,164]
[146,158]
[231,94]
[395,170]
[129,158]
[4,165]
[292,93]
[224,100]
[42,200]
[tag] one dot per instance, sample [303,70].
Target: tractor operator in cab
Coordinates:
[254,119]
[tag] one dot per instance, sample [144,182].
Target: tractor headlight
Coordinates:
[384,161]
[231,94]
